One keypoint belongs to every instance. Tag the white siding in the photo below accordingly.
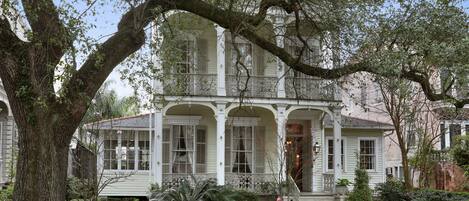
(351, 153)
(138, 184)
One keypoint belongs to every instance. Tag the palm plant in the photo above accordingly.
(205, 190)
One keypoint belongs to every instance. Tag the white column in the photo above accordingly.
(221, 91)
(158, 148)
(221, 118)
(150, 138)
(279, 29)
(119, 151)
(447, 137)
(281, 137)
(337, 145)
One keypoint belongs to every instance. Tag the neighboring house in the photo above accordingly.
(203, 129)
(8, 138)
(443, 122)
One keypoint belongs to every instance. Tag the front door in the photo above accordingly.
(294, 153)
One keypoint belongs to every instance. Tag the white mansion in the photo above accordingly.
(287, 126)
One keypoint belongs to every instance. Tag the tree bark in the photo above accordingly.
(405, 168)
(42, 164)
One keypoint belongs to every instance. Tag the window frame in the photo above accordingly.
(194, 151)
(232, 150)
(375, 154)
(343, 155)
(118, 133)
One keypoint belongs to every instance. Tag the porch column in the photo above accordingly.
(221, 118)
(221, 91)
(281, 137)
(337, 145)
(279, 29)
(158, 148)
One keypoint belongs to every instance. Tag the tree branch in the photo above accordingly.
(47, 28)
(129, 38)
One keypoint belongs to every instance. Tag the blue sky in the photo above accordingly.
(106, 23)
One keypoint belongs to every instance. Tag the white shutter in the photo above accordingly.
(259, 144)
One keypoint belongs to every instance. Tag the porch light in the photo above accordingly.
(316, 148)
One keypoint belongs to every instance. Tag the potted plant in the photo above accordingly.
(341, 186)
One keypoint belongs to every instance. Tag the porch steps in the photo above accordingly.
(307, 196)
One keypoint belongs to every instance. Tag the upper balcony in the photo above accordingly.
(209, 61)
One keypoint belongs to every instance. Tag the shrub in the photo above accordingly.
(361, 190)
(392, 190)
(343, 182)
(434, 195)
(200, 190)
(7, 194)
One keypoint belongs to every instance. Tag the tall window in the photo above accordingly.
(442, 136)
(128, 150)
(454, 132)
(368, 154)
(185, 62)
(411, 135)
(143, 150)
(183, 148)
(110, 150)
(330, 154)
(241, 57)
(242, 149)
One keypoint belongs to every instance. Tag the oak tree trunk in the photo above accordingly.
(42, 163)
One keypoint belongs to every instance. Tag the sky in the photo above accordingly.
(106, 23)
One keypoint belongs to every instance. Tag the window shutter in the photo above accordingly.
(260, 155)
(228, 67)
(202, 58)
(201, 150)
(259, 61)
(228, 149)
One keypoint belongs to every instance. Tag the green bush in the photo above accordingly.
(361, 189)
(392, 190)
(206, 190)
(7, 194)
(434, 195)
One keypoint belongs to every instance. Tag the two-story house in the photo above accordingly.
(217, 122)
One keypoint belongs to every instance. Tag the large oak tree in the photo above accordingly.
(364, 35)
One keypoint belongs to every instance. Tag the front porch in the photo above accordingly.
(244, 147)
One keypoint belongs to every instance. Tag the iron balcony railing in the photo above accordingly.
(252, 86)
(306, 88)
(310, 88)
(190, 84)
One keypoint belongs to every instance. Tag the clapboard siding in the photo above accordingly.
(134, 185)
(8, 145)
(351, 140)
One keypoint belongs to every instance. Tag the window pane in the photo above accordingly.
(128, 150)
(143, 150)
(367, 154)
(110, 150)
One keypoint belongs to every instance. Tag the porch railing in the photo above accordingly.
(255, 86)
(329, 182)
(257, 182)
(174, 180)
(310, 88)
(190, 84)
